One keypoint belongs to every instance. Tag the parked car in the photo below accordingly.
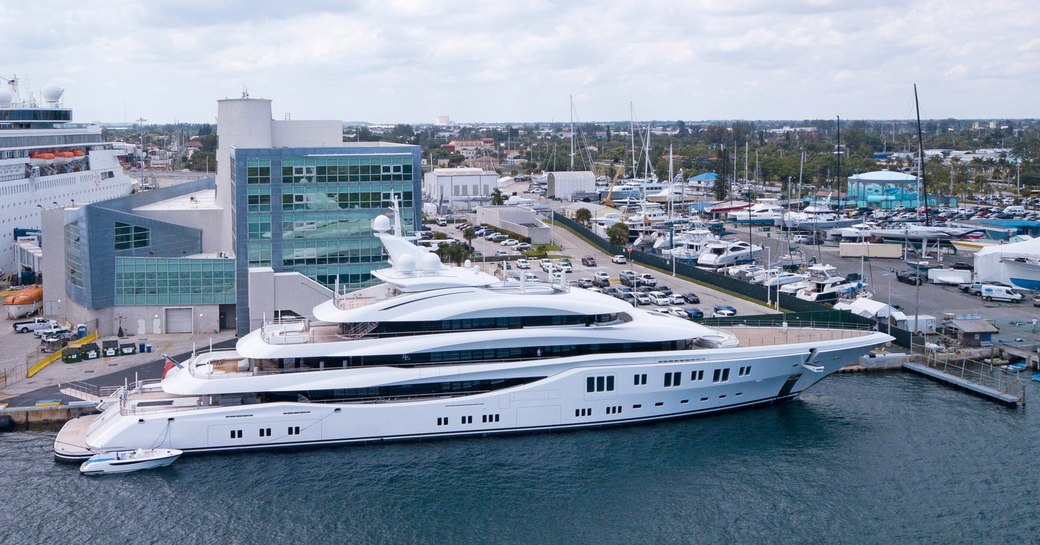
(627, 277)
(642, 298)
(676, 311)
(692, 298)
(619, 259)
(963, 266)
(659, 299)
(723, 311)
(35, 324)
(545, 264)
(601, 279)
(565, 265)
(664, 289)
(584, 282)
(505, 265)
(677, 299)
(611, 291)
(909, 277)
(588, 261)
(522, 264)
(51, 331)
(694, 313)
(509, 242)
(523, 246)
(1036, 300)
(498, 237)
(646, 279)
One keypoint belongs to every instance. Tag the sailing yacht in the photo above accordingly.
(438, 351)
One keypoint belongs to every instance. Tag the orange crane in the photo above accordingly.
(607, 201)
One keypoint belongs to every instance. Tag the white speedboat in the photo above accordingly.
(724, 253)
(826, 285)
(440, 351)
(125, 461)
(763, 212)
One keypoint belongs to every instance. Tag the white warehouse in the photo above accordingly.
(563, 185)
(459, 188)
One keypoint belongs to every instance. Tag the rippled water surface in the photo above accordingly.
(881, 458)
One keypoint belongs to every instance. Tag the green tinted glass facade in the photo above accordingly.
(310, 210)
(174, 281)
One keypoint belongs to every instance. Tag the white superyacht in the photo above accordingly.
(442, 351)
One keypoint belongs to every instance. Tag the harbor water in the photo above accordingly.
(867, 458)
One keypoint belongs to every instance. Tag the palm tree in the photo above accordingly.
(583, 216)
(618, 233)
(496, 197)
(469, 234)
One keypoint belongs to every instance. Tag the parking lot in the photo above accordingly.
(574, 249)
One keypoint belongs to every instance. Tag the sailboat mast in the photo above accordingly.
(920, 161)
(632, 135)
(571, 97)
(841, 203)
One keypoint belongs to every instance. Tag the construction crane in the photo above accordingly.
(608, 201)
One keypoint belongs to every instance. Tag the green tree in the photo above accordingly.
(440, 235)
(721, 188)
(618, 233)
(469, 234)
(454, 253)
(583, 216)
(496, 197)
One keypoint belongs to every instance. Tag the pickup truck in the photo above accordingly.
(34, 325)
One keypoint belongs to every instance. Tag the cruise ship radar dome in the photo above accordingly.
(406, 263)
(431, 263)
(381, 224)
(52, 93)
(6, 97)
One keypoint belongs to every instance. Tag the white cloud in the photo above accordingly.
(408, 61)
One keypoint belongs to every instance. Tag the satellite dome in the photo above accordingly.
(381, 224)
(467, 264)
(6, 96)
(52, 93)
(406, 263)
(431, 263)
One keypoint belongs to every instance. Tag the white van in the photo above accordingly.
(442, 221)
(1017, 209)
(990, 292)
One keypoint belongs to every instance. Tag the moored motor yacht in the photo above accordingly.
(441, 351)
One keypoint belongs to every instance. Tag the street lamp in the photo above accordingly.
(889, 316)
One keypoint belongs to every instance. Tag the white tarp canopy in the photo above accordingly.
(997, 263)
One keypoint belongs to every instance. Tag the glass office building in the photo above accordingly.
(174, 281)
(309, 210)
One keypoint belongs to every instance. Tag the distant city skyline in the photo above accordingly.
(410, 61)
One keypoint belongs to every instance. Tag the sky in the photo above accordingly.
(409, 61)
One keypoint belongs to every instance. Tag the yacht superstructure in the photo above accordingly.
(441, 351)
(46, 161)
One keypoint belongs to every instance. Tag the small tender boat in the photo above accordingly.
(1014, 367)
(125, 461)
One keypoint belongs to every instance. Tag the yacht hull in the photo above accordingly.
(709, 381)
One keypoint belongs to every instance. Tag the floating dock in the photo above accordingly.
(959, 382)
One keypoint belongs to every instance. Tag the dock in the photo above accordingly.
(1006, 392)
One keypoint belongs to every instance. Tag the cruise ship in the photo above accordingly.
(46, 161)
(437, 351)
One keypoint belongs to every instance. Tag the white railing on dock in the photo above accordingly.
(977, 372)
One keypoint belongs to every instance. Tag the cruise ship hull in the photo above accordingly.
(709, 380)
